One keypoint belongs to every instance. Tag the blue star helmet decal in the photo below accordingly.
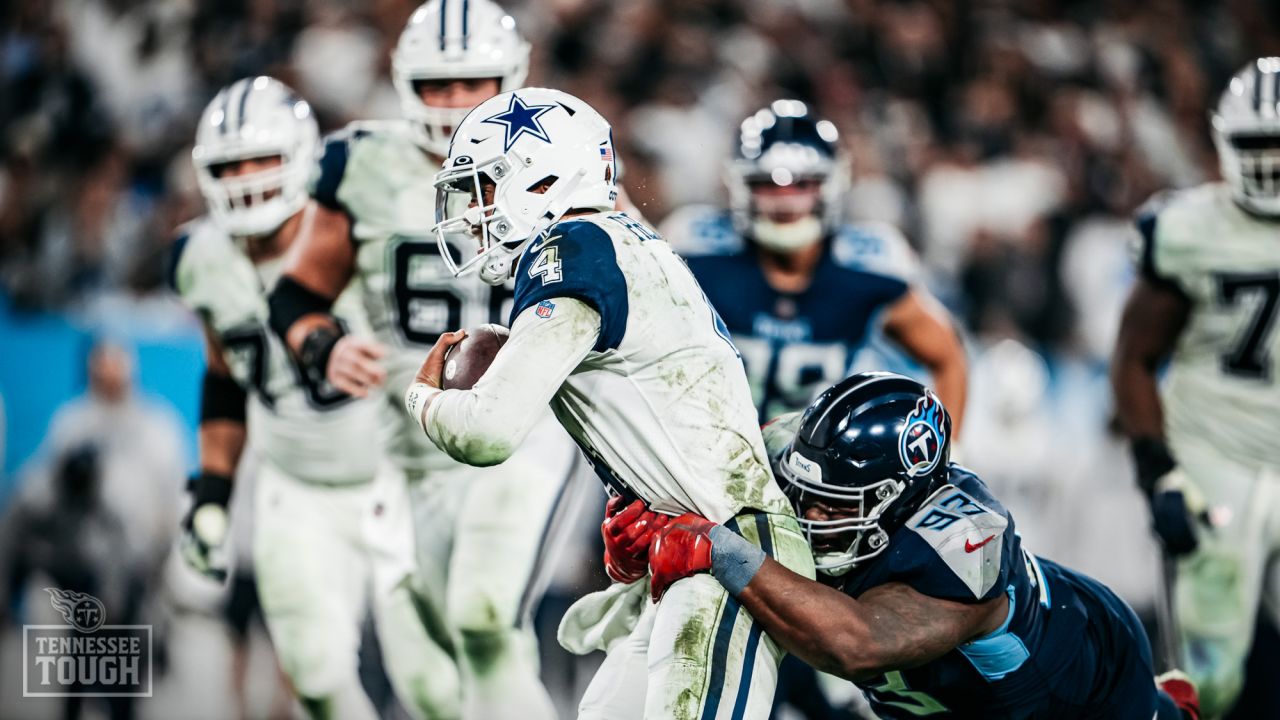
(519, 119)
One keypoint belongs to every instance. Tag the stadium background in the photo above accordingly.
(1009, 140)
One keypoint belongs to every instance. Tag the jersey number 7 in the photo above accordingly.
(1249, 357)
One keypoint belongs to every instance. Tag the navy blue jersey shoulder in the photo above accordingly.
(1067, 647)
(333, 165)
(176, 249)
(736, 287)
(577, 260)
(964, 511)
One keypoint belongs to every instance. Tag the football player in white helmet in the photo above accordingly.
(480, 535)
(609, 326)
(332, 531)
(1205, 444)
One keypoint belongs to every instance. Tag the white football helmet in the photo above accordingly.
(255, 118)
(519, 141)
(1246, 132)
(454, 40)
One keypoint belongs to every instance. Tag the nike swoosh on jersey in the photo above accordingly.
(970, 547)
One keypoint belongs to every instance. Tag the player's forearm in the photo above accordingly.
(950, 375)
(1137, 398)
(223, 412)
(221, 445)
(886, 629)
(486, 424)
(1153, 319)
(925, 329)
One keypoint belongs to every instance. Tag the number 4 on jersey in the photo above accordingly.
(547, 265)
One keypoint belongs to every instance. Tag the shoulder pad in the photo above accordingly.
(332, 165)
(778, 434)
(967, 535)
(578, 260)
(197, 243)
(877, 248)
(1151, 239)
(696, 230)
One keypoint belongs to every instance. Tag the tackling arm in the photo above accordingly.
(891, 627)
(923, 328)
(484, 425)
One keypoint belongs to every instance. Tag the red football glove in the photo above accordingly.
(627, 532)
(683, 548)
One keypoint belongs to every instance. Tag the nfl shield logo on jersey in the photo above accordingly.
(920, 442)
(545, 308)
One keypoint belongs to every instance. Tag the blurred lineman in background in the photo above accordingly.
(479, 532)
(801, 291)
(330, 527)
(1206, 449)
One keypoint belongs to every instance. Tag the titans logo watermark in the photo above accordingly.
(86, 657)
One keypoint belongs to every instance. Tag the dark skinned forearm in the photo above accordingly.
(890, 627)
(1154, 317)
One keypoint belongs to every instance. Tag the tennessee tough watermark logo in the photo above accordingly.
(85, 657)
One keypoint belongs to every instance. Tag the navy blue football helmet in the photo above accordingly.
(785, 146)
(868, 453)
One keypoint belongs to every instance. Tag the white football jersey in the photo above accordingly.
(1222, 392)
(315, 433)
(375, 173)
(660, 404)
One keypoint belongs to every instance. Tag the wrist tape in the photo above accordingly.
(734, 561)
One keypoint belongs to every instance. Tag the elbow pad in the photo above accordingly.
(290, 301)
(222, 398)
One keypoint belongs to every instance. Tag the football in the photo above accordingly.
(467, 361)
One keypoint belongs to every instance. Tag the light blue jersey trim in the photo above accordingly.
(1000, 652)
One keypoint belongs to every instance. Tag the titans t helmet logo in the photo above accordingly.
(920, 442)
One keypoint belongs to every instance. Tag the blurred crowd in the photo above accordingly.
(1009, 139)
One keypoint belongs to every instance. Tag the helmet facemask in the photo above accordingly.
(801, 206)
(252, 204)
(1251, 164)
(470, 210)
(859, 513)
(433, 125)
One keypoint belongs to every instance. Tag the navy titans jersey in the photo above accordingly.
(1069, 648)
(794, 344)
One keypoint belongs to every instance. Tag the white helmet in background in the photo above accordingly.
(521, 141)
(1246, 132)
(454, 40)
(255, 118)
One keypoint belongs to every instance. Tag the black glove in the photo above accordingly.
(204, 529)
(1174, 516)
